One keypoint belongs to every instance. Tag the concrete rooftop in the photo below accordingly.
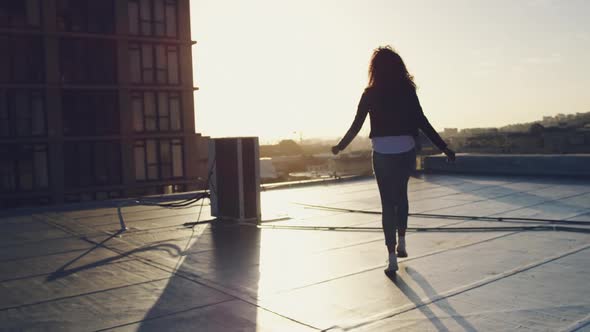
(308, 268)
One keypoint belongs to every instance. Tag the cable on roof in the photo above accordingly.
(452, 216)
(185, 203)
(409, 229)
(430, 229)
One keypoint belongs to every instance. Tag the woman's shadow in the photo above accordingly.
(423, 304)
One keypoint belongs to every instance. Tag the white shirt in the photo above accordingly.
(393, 144)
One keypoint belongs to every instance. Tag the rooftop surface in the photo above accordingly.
(308, 267)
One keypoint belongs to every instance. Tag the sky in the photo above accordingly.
(282, 69)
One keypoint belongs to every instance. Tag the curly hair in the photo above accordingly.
(388, 71)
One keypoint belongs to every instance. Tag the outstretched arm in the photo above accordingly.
(357, 124)
(426, 127)
(429, 131)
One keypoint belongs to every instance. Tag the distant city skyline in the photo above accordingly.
(285, 69)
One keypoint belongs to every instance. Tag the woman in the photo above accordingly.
(396, 115)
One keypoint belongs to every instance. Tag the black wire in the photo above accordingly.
(426, 229)
(185, 203)
(412, 229)
(513, 219)
(460, 217)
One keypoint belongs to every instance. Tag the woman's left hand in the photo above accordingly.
(450, 155)
(335, 149)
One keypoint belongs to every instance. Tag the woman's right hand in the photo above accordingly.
(450, 155)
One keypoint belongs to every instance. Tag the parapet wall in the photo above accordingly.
(549, 165)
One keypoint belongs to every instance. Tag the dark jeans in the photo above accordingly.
(392, 172)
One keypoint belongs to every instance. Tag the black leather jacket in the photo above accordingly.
(391, 114)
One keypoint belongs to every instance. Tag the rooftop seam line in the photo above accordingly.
(80, 294)
(488, 198)
(119, 261)
(208, 284)
(459, 290)
(367, 241)
(166, 315)
(545, 202)
(578, 215)
(578, 325)
(24, 258)
(432, 253)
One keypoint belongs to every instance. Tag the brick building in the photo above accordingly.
(96, 100)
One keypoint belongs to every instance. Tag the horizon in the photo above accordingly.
(496, 64)
(366, 135)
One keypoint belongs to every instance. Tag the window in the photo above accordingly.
(92, 163)
(158, 159)
(88, 61)
(20, 13)
(90, 113)
(91, 196)
(22, 59)
(154, 63)
(22, 113)
(145, 190)
(23, 167)
(93, 16)
(156, 111)
(153, 18)
(33, 200)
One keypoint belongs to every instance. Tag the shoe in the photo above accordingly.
(391, 264)
(401, 248)
(402, 253)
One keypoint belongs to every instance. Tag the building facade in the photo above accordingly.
(96, 101)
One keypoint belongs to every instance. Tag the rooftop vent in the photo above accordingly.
(235, 179)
